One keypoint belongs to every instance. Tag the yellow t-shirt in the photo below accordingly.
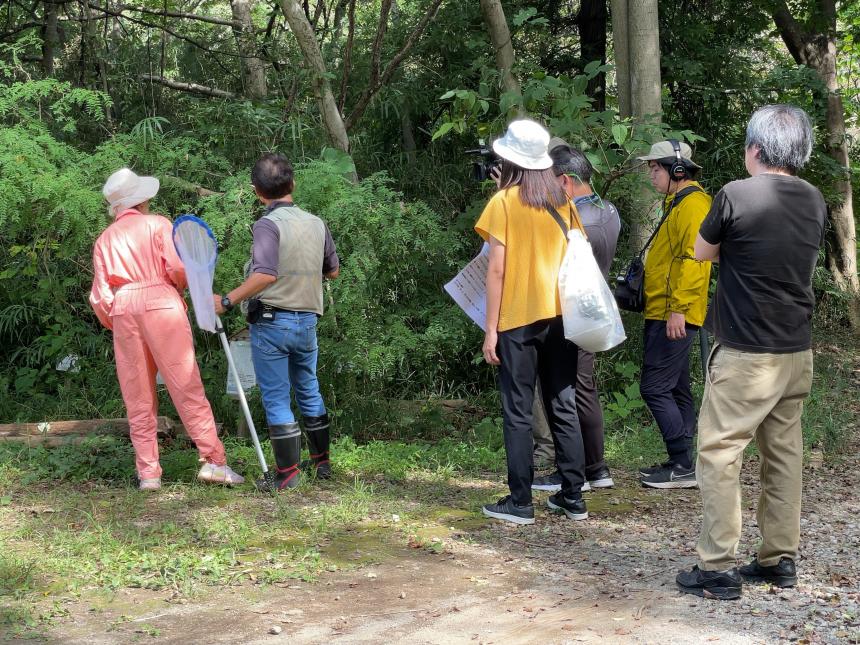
(534, 249)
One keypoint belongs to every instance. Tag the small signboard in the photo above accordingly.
(241, 350)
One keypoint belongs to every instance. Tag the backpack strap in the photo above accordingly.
(678, 197)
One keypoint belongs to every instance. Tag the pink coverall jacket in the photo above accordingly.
(136, 288)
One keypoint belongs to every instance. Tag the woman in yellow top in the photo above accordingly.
(524, 330)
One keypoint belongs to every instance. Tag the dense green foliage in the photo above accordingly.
(390, 332)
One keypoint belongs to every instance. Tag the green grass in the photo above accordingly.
(73, 524)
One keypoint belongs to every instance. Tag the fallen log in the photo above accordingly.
(52, 433)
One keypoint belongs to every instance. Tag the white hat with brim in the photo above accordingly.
(125, 189)
(663, 151)
(525, 145)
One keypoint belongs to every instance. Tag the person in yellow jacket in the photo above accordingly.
(676, 300)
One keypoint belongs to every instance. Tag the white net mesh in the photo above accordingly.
(198, 249)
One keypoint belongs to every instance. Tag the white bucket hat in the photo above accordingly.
(125, 189)
(525, 145)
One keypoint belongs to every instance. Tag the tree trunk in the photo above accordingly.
(500, 36)
(842, 256)
(620, 43)
(644, 47)
(253, 68)
(591, 21)
(815, 47)
(50, 39)
(636, 37)
(304, 33)
(408, 136)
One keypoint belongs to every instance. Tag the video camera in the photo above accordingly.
(483, 166)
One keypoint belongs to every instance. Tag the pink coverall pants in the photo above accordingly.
(136, 276)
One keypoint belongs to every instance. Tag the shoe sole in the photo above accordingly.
(508, 518)
(712, 593)
(570, 514)
(602, 483)
(676, 484)
(555, 488)
(222, 482)
(783, 582)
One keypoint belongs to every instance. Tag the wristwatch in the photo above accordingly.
(226, 303)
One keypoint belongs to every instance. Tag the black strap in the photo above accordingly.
(564, 227)
(676, 199)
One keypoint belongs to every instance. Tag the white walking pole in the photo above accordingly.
(242, 400)
(197, 247)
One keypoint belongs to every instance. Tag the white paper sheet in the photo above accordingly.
(469, 288)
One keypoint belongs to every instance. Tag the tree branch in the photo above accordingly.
(193, 88)
(791, 32)
(347, 57)
(118, 14)
(181, 14)
(376, 54)
(393, 64)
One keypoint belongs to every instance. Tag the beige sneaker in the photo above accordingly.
(150, 484)
(219, 475)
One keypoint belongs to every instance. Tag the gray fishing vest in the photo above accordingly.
(300, 261)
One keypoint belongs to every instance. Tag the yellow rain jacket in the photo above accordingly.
(675, 282)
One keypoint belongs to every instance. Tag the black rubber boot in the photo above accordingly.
(287, 446)
(318, 440)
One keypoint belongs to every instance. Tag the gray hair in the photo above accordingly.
(571, 162)
(783, 135)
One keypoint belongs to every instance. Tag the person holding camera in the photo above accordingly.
(676, 300)
(765, 231)
(525, 224)
(602, 225)
(292, 252)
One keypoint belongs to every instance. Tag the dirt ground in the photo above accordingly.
(607, 580)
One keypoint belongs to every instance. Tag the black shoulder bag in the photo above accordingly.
(630, 287)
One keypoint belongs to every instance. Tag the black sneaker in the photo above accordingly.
(505, 509)
(601, 479)
(573, 508)
(673, 477)
(650, 470)
(718, 585)
(783, 574)
(552, 483)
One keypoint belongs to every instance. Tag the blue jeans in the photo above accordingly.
(284, 352)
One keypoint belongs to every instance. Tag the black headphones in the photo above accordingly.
(678, 170)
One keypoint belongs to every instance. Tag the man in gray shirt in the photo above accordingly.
(602, 225)
(292, 252)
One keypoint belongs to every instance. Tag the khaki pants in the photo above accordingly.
(751, 395)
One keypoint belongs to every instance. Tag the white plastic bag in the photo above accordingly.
(589, 311)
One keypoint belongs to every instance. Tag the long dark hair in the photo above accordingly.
(538, 188)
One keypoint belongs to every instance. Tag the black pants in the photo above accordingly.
(665, 386)
(590, 416)
(539, 350)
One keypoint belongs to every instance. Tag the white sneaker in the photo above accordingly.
(219, 475)
(149, 484)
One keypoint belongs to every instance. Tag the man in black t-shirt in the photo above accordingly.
(765, 231)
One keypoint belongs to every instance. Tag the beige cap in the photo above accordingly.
(663, 151)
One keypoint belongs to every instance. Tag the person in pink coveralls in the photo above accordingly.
(137, 281)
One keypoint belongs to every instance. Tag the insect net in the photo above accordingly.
(198, 249)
